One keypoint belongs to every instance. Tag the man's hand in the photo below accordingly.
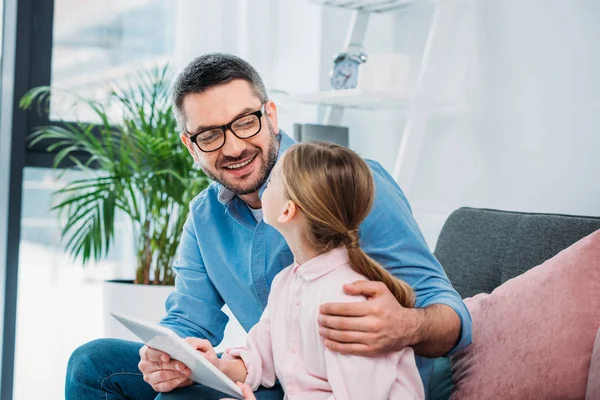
(378, 326)
(162, 373)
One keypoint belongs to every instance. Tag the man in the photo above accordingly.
(228, 255)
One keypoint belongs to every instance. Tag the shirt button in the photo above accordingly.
(293, 349)
(292, 391)
(298, 303)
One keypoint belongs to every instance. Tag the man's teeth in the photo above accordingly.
(240, 165)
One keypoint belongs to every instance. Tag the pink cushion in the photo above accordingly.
(533, 336)
(593, 385)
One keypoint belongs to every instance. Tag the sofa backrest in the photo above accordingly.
(481, 249)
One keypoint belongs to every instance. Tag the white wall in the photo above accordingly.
(528, 137)
(280, 39)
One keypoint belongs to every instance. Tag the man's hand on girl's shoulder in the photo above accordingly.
(372, 328)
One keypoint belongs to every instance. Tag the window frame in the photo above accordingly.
(27, 41)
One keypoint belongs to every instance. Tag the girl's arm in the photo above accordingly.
(234, 369)
(257, 356)
(254, 363)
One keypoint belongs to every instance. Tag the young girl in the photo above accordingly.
(317, 196)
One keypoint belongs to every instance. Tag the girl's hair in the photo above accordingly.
(334, 189)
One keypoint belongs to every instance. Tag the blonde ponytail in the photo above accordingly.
(366, 266)
(334, 189)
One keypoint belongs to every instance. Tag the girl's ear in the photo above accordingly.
(288, 213)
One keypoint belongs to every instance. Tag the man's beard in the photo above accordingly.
(265, 169)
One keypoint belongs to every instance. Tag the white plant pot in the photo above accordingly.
(147, 302)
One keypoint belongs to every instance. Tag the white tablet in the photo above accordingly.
(163, 339)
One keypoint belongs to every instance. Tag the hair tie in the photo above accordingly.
(352, 240)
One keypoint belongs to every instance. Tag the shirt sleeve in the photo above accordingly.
(257, 355)
(194, 307)
(392, 237)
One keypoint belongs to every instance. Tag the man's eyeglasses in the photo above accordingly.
(243, 127)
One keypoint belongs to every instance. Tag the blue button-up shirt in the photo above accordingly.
(226, 256)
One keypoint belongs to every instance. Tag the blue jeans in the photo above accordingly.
(107, 369)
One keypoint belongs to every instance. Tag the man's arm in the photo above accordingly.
(194, 307)
(439, 331)
(439, 324)
(381, 325)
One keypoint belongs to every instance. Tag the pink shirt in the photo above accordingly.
(285, 344)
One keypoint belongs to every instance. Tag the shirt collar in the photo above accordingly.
(285, 142)
(322, 264)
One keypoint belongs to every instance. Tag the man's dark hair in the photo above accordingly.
(210, 70)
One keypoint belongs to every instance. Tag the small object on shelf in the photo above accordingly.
(328, 133)
(344, 74)
(420, 103)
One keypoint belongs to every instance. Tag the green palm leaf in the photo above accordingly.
(144, 173)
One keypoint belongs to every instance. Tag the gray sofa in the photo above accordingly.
(480, 249)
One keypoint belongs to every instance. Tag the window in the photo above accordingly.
(98, 43)
(59, 302)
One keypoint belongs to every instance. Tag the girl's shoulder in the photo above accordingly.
(281, 279)
(330, 287)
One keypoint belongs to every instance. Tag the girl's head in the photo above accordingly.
(328, 190)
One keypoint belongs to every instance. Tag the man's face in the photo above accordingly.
(241, 165)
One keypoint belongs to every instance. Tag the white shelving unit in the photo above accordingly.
(366, 100)
(353, 98)
(366, 5)
(421, 104)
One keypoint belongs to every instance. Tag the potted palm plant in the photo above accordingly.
(134, 166)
